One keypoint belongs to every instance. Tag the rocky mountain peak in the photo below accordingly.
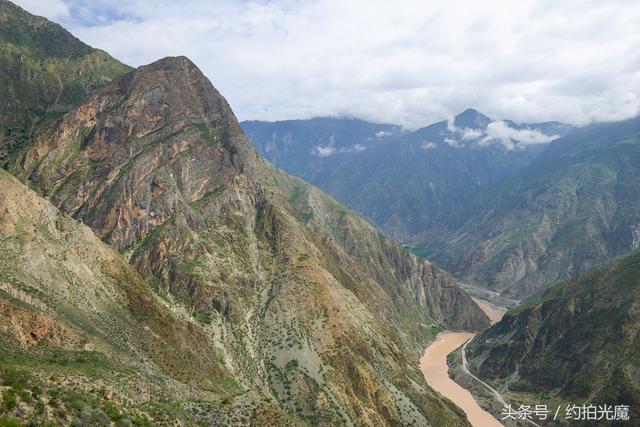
(174, 89)
(472, 119)
(152, 142)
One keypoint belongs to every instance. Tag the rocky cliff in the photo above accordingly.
(308, 303)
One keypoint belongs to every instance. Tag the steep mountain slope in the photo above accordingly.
(312, 148)
(575, 207)
(577, 343)
(419, 188)
(44, 71)
(312, 305)
(83, 338)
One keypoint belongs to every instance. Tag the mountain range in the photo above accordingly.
(411, 184)
(576, 206)
(309, 149)
(551, 218)
(159, 270)
(506, 206)
(159, 265)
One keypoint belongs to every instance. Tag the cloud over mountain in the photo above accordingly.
(408, 63)
(500, 131)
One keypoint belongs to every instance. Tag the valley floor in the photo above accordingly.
(435, 369)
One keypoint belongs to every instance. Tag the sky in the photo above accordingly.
(406, 62)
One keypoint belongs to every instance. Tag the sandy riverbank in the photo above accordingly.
(494, 313)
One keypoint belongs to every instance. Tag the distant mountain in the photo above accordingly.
(44, 72)
(576, 343)
(312, 148)
(304, 312)
(419, 187)
(576, 206)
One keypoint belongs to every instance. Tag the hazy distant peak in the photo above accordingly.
(472, 119)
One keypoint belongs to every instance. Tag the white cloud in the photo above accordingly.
(382, 134)
(409, 62)
(51, 9)
(503, 133)
(324, 151)
(469, 134)
(451, 142)
(451, 127)
(330, 150)
(429, 146)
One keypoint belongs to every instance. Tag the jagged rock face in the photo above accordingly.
(577, 342)
(309, 303)
(44, 72)
(138, 150)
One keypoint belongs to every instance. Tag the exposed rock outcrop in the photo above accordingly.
(310, 303)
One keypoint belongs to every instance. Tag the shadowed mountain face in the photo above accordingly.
(44, 71)
(575, 207)
(311, 149)
(578, 342)
(306, 303)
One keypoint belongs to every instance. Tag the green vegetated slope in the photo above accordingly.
(312, 311)
(44, 71)
(575, 207)
(578, 342)
(83, 339)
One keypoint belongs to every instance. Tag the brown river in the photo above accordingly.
(435, 370)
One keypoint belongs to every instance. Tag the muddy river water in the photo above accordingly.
(434, 367)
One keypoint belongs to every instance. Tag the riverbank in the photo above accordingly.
(492, 311)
